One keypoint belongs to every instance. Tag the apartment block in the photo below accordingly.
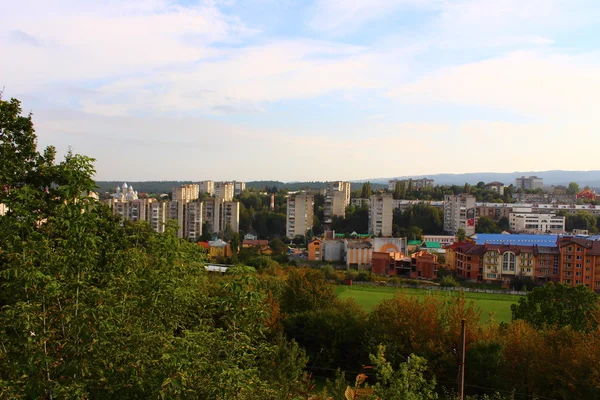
(207, 187)
(131, 210)
(580, 262)
(529, 182)
(224, 190)
(337, 198)
(417, 184)
(238, 187)
(178, 207)
(219, 213)
(380, 215)
(460, 212)
(158, 214)
(186, 193)
(496, 186)
(192, 221)
(536, 223)
(300, 212)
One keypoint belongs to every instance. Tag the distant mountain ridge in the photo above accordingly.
(555, 177)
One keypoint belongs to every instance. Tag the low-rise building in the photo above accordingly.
(358, 253)
(526, 222)
(424, 265)
(219, 249)
(315, 250)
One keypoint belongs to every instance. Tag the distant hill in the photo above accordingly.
(557, 177)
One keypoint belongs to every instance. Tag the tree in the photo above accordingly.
(487, 225)
(573, 188)
(366, 190)
(408, 382)
(235, 243)
(504, 224)
(559, 305)
(461, 234)
(278, 246)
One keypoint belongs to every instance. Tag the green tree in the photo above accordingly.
(487, 225)
(559, 305)
(461, 234)
(366, 190)
(573, 188)
(278, 246)
(408, 382)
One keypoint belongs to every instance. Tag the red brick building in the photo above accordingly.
(423, 265)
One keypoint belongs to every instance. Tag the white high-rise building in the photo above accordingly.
(177, 209)
(337, 198)
(529, 182)
(219, 213)
(224, 190)
(207, 187)
(381, 213)
(158, 213)
(300, 213)
(238, 187)
(460, 212)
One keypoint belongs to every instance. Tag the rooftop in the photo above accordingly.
(520, 239)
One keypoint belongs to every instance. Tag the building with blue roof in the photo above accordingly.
(515, 239)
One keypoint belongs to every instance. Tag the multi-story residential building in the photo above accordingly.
(417, 184)
(536, 223)
(359, 202)
(529, 182)
(502, 263)
(131, 210)
(238, 187)
(158, 214)
(300, 213)
(224, 190)
(207, 187)
(315, 250)
(181, 196)
(337, 198)
(580, 262)
(219, 213)
(467, 260)
(547, 264)
(192, 221)
(496, 186)
(460, 212)
(380, 215)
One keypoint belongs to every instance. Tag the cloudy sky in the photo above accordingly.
(308, 90)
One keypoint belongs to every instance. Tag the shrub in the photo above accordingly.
(448, 281)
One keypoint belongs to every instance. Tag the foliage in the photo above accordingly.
(448, 281)
(356, 220)
(487, 225)
(522, 283)
(425, 217)
(573, 188)
(278, 246)
(461, 235)
(559, 305)
(408, 382)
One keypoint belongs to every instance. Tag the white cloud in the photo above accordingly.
(532, 84)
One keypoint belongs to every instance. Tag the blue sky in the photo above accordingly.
(308, 90)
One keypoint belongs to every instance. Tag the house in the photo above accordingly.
(588, 194)
(261, 245)
(467, 260)
(315, 250)
(218, 248)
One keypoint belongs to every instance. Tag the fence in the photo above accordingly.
(438, 288)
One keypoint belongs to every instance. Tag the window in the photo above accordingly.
(569, 249)
(588, 261)
(579, 265)
(508, 261)
(578, 273)
(578, 249)
(568, 281)
(578, 257)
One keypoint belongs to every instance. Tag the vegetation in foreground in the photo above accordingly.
(94, 308)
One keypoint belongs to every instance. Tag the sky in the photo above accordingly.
(298, 90)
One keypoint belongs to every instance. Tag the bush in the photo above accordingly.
(363, 276)
(448, 281)
(330, 272)
(351, 275)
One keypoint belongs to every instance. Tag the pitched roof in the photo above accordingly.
(433, 245)
(249, 242)
(415, 242)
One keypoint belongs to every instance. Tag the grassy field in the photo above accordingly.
(496, 305)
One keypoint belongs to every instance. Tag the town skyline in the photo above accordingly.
(303, 89)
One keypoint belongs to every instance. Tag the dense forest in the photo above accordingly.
(91, 307)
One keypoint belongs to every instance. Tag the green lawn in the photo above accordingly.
(368, 297)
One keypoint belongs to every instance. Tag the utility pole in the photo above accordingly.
(463, 340)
